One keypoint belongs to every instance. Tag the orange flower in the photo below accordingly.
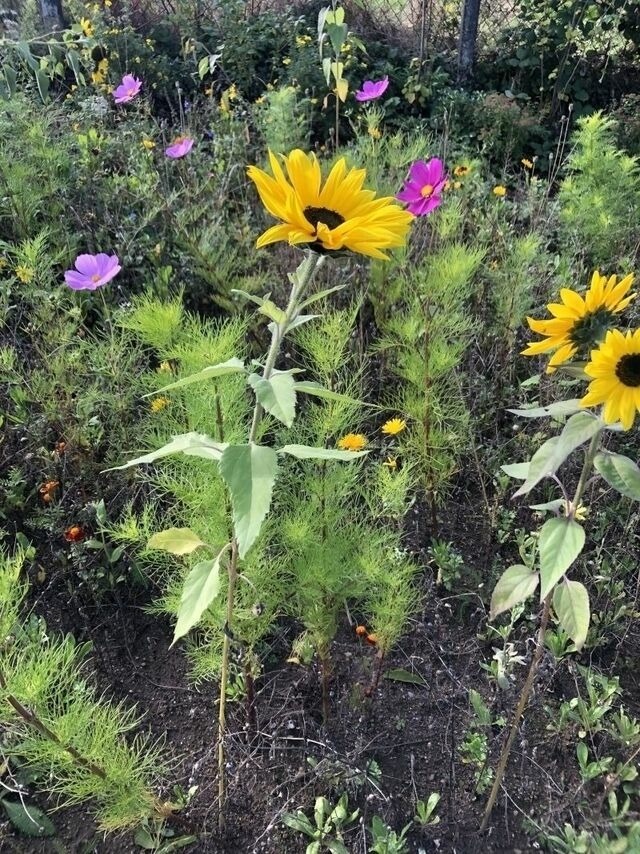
(47, 489)
(361, 631)
(60, 447)
(74, 534)
(372, 639)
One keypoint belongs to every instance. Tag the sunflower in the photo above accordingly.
(338, 215)
(352, 442)
(615, 377)
(579, 322)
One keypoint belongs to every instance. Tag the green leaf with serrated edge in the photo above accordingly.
(201, 587)
(271, 310)
(555, 505)
(231, 366)
(571, 604)
(27, 819)
(191, 444)
(514, 586)
(519, 471)
(176, 541)
(326, 394)
(306, 452)
(398, 674)
(320, 295)
(558, 409)
(620, 472)
(579, 429)
(560, 542)
(249, 472)
(277, 395)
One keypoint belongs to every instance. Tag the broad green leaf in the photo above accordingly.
(514, 586)
(579, 428)
(11, 77)
(308, 387)
(558, 409)
(342, 89)
(560, 542)
(28, 819)
(555, 505)
(74, 63)
(337, 34)
(619, 472)
(336, 16)
(400, 675)
(25, 52)
(191, 444)
(249, 472)
(571, 604)
(201, 587)
(271, 310)
(177, 541)
(231, 366)
(277, 395)
(519, 471)
(305, 452)
(43, 83)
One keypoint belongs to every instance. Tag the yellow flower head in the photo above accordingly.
(526, 163)
(87, 27)
(352, 442)
(338, 215)
(580, 322)
(500, 191)
(24, 274)
(374, 132)
(164, 368)
(394, 426)
(391, 463)
(159, 403)
(461, 171)
(457, 185)
(148, 144)
(615, 377)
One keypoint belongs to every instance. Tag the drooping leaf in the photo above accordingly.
(558, 409)
(11, 77)
(308, 387)
(271, 310)
(515, 585)
(619, 472)
(249, 472)
(560, 542)
(201, 586)
(554, 506)
(579, 428)
(231, 366)
(191, 444)
(176, 541)
(571, 604)
(342, 88)
(306, 452)
(277, 395)
(398, 674)
(73, 61)
(519, 471)
(28, 819)
(43, 83)
(320, 295)
(300, 320)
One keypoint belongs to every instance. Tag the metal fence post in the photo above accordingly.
(468, 36)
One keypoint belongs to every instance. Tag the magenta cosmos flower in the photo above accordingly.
(127, 90)
(371, 90)
(179, 147)
(423, 188)
(92, 271)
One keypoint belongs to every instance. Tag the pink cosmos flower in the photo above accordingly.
(179, 147)
(423, 188)
(127, 90)
(92, 271)
(371, 90)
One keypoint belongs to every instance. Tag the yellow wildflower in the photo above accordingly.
(148, 143)
(87, 27)
(374, 133)
(526, 163)
(158, 404)
(352, 442)
(286, 60)
(461, 171)
(24, 274)
(394, 426)
(164, 368)
(500, 191)
(391, 463)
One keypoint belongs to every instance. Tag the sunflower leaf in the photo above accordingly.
(309, 387)
(190, 444)
(231, 366)
(305, 452)
(277, 395)
(519, 471)
(176, 541)
(619, 472)
(201, 586)
(571, 604)
(560, 542)
(555, 410)
(514, 586)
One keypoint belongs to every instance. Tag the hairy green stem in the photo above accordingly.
(300, 282)
(537, 655)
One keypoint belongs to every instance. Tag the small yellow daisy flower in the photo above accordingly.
(24, 274)
(164, 368)
(457, 185)
(87, 27)
(391, 463)
(461, 171)
(158, 404)
(352, 442)
(526, 163)
(394, 426)
(500, 191)
(148, 144)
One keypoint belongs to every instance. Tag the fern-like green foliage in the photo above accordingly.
(47, 676)
(283, 119)
(600, 197)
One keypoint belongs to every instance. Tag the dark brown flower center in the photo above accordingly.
(628, 370)
(330, 218)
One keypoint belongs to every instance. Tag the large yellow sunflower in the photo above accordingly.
(615, 372)
(336, 215)
(580, 322)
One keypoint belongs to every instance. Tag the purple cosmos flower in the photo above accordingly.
(92, 271)
(371, 90)
(179, 147)
(423, 188)
(127, 90)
